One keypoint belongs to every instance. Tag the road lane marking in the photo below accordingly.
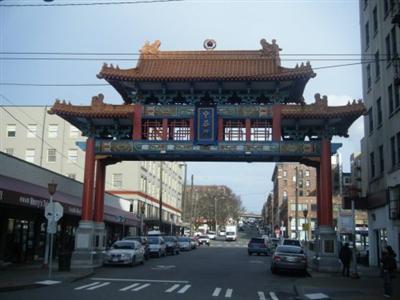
(184, 289)
(138, 280)
(273, 296)
(172, 288)
(228, 293)
(216, 292)
(98, 286)
(261, 295)
(141, 287)
(87, 285)
(129, 287)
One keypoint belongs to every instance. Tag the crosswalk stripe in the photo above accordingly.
(228, 293)
(98, 286)
(273, 296)
(141, 287)
(172, 288)
(216, 292)
(87, 285)
(129, 287)
(184, 289)
(261, 295)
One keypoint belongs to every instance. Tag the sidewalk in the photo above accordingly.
(24, 276)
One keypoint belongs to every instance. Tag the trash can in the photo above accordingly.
(64, 261)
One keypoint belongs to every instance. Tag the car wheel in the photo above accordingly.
(173, 252)
(165, 253)
(249, 253)
(258, 254)
(159, 254)
(133, 261)
(142, 261)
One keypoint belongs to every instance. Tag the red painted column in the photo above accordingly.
(137, 122)
(248, 130)
(191, 125)
(220, 129)
(88, 181)
(326, 183)
(165, 129)
(318, 184)
(99, 193)
(276, 123)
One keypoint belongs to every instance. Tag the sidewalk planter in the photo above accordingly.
(64, 261)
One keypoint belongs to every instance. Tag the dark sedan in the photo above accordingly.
(257, 245)
(291, 258)
(172, 244)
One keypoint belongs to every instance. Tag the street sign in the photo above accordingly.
(306, 226)
(51, 226)
(53, 211)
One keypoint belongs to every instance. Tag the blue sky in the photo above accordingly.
(300, 27)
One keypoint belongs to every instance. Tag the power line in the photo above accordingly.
(90, 3)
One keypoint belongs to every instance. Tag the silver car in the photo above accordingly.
(291, 258)
(157, 246)
(184, 243)
(124, 253)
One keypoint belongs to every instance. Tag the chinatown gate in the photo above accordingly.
(237, 106)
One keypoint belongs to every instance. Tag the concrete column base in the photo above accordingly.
(326, 258)
(89, 245)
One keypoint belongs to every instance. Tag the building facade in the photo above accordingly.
(380, 38)
(31, 134)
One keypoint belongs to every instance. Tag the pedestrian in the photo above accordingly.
(345, 258)
(389, 266)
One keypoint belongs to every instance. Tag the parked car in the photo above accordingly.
(204, 240)
(290, 258)
(157, 246)
(143, 241)
(257, 245)
(193, 243)
(222, 233)
(290, 242)
(184, 243)
(125, 252)
(211, 235)
(171, 243)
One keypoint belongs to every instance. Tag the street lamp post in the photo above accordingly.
(52, 187)
(305, 214)
(290, 227)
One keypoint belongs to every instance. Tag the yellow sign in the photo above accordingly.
(306, 226)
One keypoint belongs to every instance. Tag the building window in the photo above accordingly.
(152, 130)
(10, 151)
(385, 8)
(377, 67)
(117, 180)
(74, 132)
(72, 155)
(398, 146)
(30, 155)
(234, 130)
(53, 131)
(372, 164)
(301, 194)
(368, 77)
(371, 120)
(307, 183)
(375, 19)
(284, 173)
(313, 207)
(381, 159)
(307, 173)
(261, 130)
(51, 155)
(301, 173)
(394, 42)
(32, 130)
(393, 150)
(396, 96)
(179, 130)
(390, 97)
(300, 184)
(388, 49)
(285, 195)
(72, 176)
(379, 108)
(366, 35)
(11, 130)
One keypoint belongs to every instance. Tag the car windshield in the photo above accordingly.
(230, 233)
(169, 238)
(153, 240)
(291, 242)
(184, 239)
(203, 237)
(257, 241)
(123, 245)
(289, 249)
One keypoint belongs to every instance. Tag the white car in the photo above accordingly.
(204, 239)
(126, 252)
(211, 235)
(157, 246)
(222, 233)
(184, 243)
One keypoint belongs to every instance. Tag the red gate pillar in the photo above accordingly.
(326, 184)
(276, 123)
(248, 130)
(99, 193)
(318, 171)
(88, 181)
(137, 123)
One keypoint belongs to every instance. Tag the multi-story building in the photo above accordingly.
(380, 147)
(30, 133)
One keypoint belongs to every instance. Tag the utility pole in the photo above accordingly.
(160, 196)
(184, 191)
(215, 215)
(297, 202)
(191, 205)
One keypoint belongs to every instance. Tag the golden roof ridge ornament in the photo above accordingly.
(151, 48)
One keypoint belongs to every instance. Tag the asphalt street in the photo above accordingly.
(221, 271)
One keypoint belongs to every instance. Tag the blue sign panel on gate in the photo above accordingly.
(206, 125)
